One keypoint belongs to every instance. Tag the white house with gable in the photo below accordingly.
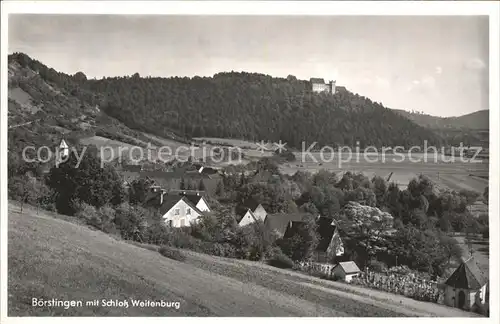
(251, 215)
(178, 211)
(197, 199)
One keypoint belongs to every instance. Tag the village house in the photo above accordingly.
(319, 85)
(174, 179)
(251, 212)
(196, 198)
(177, 209)
(346, 271)
(247, 218)
(278, 224)
(287, 225)
(330, 244)
(466, 287)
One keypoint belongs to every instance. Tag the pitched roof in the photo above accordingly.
(467, 276)
(63, 144)
(251, 214)
(193, 198)
(168, 202)
(251, 203)
(349, 267)
(317, 80)
(280, 222)
(326, 229)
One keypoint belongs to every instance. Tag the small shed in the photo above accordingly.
(346, 270)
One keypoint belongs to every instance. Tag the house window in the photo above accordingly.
(177, 212)
(188, 211)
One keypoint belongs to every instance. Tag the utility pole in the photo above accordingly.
(37, 200)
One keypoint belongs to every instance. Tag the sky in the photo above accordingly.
(432, 64)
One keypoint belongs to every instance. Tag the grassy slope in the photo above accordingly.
(53, 258)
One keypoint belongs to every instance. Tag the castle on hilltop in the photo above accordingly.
(319, 85)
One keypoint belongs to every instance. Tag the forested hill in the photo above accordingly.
(257, 107)
(244, 105)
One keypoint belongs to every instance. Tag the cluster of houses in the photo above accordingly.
(465, 288)
(182, 208)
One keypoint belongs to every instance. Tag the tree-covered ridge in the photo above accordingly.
(241, 105)
(45, 105)
(256, 107)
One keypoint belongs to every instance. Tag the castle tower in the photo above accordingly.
(332, 86)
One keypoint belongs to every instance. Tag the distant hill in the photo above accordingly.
(255, 107)
(243, 105)
(476, 120)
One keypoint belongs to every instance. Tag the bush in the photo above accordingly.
(88, 214)
(280, 260)
(106, 218)
(221, 249)
(158, 234)
(131, 222)
(172, 253)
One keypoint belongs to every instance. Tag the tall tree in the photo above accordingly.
(84, 181)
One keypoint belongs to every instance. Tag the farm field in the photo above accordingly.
(443, 170)
(250, 149)
(446, 175)
(116, 149)
(52, 258)
(228, 141)
(128, 153)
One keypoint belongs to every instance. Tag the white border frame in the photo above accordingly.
(414, 8)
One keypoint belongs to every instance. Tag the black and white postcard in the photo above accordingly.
(249, 159)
